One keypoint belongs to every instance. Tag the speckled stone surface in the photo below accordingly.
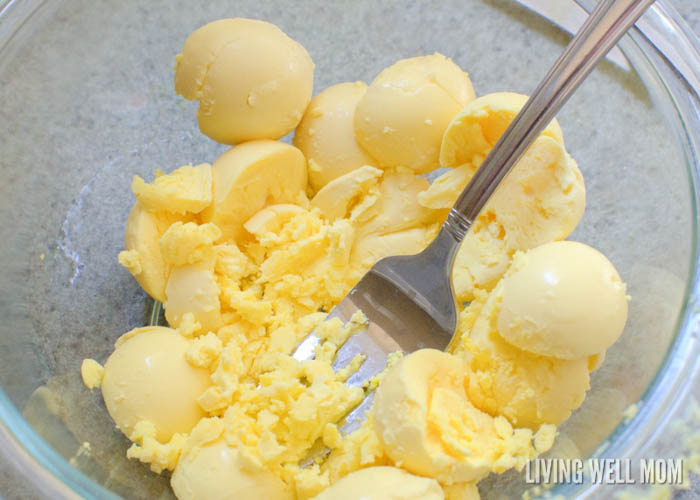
(87, 102)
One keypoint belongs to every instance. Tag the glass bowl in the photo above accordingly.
(88, 102)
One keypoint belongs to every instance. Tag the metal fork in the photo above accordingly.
(409, 300)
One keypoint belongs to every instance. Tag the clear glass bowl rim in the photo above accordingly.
(54, 477)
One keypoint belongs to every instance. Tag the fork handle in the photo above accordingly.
(601, 31)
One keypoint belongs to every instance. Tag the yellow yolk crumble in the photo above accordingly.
(250, 253)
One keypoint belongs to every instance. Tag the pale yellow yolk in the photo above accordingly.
(188, 243)
(563, 299)
(461, 491)
(92, 373)
(337, 198)
(142, 256)
(402, 117)
(250, 176)
(476, 129)
(529, 390)
(326, 134)
(279, 420)
(428, 426)
(392, 223)
(148, 379)
(192, 289)
(383, 483)
(470, 137)
(372, 247)
(187, 189)
(252, 81)
(541, 200)
(218, 471)
(361, 448)
(308, 260)
(396, 207)
(170, 198)
(272, 219)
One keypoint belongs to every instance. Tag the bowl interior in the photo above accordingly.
(88, 102)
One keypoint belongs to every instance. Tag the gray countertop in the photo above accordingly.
(13, 485)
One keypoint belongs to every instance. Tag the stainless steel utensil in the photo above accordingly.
(408, 300)
(569, 16)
